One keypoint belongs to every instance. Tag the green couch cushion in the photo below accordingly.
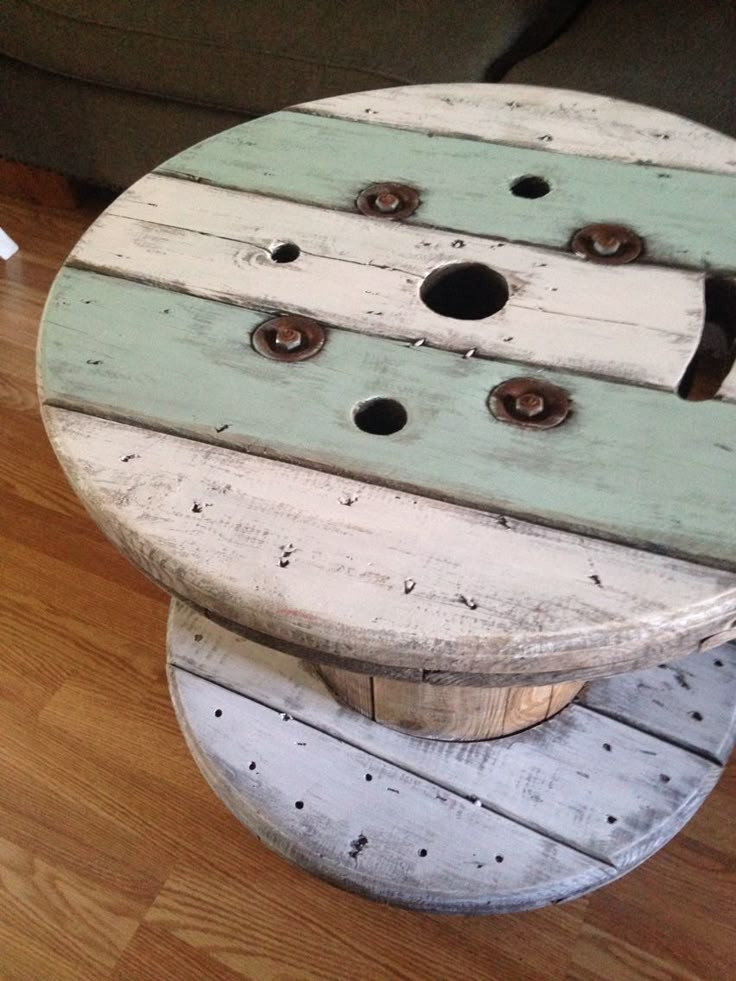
(93, 133)
(254, 56)
(678, 55)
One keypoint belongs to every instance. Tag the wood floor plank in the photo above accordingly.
(601, 956)
(154, 948)
(79, 928)
(274, 918)
(679, 905)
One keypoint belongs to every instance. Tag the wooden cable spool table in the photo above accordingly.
(422, 399)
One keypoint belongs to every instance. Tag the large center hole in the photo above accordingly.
(465, 291)
(380, 416)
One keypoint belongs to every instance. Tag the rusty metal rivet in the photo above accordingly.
(530, 403)
(288, 338)
(388, 200)
(608, 244)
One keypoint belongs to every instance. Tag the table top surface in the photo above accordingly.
(389, 496)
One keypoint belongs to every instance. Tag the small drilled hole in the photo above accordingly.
(530, 187)
(251, 766)
(299, 804)
(285, 252)
(607, 747)
(664, 778)
(718, 662)
(465, 291)
(381, 417)
(218, 713)
(422, 852)
(611, 819)
(499, 858)
(369, 777)
(697, 716)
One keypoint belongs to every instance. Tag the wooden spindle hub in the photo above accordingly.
(460, 713)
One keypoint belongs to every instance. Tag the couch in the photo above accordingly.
(103, 90)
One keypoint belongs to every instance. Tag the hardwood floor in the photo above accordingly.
(117, 861)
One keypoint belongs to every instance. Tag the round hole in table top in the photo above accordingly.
(380, 416)
(465, 291)
(285, 252)
(530, 187)
(249, 489)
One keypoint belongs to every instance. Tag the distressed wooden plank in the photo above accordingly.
(555, 120)
(640, 324)
(393, 837)
(566, 778)
(627, 466)
(686, 217)
(212, 525)
(689, 702)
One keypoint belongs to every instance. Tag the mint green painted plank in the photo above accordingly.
(687, 218)
(632, 464)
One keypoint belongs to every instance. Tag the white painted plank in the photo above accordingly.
(594, 783)
(636, 323)
(540, 616)
(394, 838)
(556, 120)
(690, 702)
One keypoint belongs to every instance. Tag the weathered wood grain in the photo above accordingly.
(640, 324)
(415, 846)
(627, 466)
(555, 120)
(456, 712)
(561, 695)
(600, 786)
(213, 526)
(351, 688)
(687, 218)
(688, 702)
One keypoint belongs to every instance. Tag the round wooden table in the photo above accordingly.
(431, 388)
